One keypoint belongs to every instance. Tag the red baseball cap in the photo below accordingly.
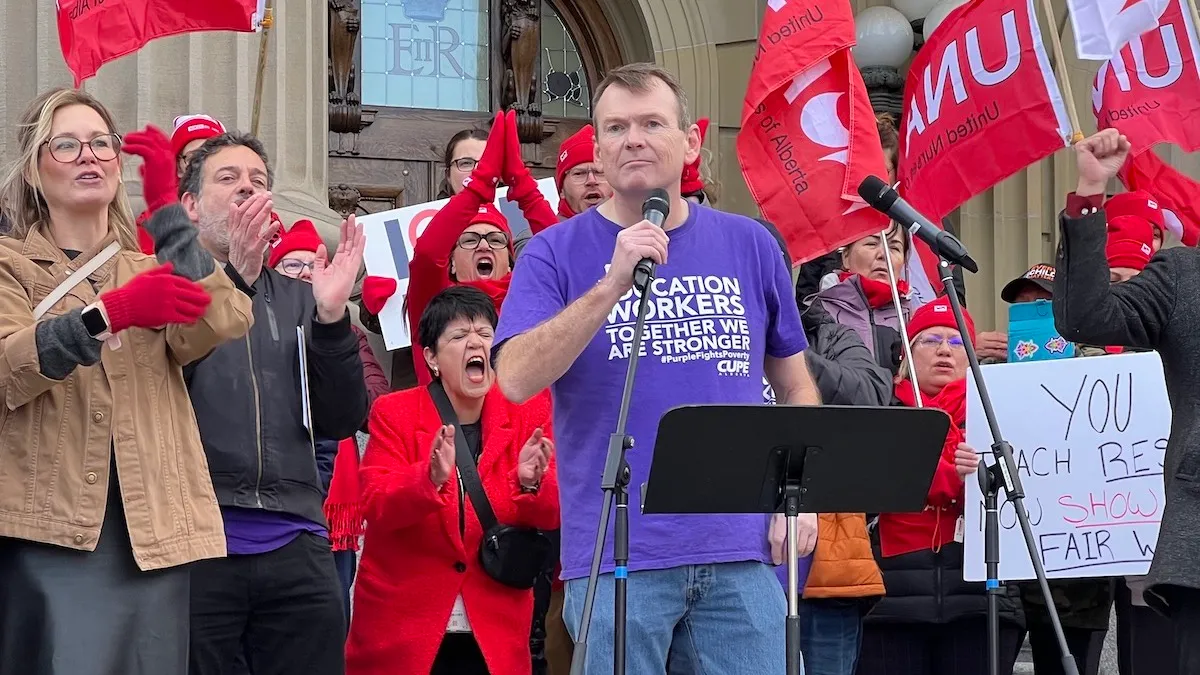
(190, 128)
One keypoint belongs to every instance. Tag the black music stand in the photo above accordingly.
(792, 460)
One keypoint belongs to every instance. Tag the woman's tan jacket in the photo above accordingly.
(57, 437)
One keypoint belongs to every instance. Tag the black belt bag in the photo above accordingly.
(513, 556)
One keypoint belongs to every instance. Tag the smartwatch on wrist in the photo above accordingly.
(95, 322)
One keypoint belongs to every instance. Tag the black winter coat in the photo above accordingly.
(1155, 310)
(844, 369)
(248, 404)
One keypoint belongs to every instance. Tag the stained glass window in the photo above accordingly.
(434, 54)
(425, 54)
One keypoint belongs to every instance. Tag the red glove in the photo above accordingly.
(487, 172)
(514, 167)
(160, 186)
(376, 291)
(154, 299)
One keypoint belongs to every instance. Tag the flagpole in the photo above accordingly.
(1063, 76)
(908, 357)
(1195, 15)
(262, 68)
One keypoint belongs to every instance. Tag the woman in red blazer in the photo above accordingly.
(422, 602)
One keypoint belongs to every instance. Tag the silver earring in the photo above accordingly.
(435, 372)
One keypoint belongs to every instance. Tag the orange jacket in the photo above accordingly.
(843, 565)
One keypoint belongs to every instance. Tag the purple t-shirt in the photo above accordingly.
(721, 305)
(254, 531)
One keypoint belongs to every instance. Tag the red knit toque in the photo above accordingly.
(935, 314)
(302, 237)
(1138, 203)
(578, 149)
(1129, 242)
(190, 128)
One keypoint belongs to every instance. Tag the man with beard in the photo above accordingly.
(276, 600)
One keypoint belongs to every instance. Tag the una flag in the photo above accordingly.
(980, 104)
(1103, 27)
(809, 135)
(1150, 90)
(93, 33)
(1177, 195)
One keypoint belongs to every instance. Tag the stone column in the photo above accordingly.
(211, 73)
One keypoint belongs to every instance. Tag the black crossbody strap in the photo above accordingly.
(467, 471)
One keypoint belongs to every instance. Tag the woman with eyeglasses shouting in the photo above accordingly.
(931, 622)
(469, 241)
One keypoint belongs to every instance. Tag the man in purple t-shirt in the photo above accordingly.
(700, 587)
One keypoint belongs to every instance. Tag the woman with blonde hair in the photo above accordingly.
(105, 494)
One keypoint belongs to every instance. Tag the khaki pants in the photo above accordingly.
(559, 646)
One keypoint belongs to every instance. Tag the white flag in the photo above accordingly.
(259, 13)
(1103, 27)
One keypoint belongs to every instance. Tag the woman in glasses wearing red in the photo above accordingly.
(469, 240)
(931, 622)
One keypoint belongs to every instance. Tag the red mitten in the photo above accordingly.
(160, 187)
(154, 299)
(486, 175)
(376, 291)
(514, 167)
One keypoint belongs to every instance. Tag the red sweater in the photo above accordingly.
(410, 573)
(901, 533)
(429, 269)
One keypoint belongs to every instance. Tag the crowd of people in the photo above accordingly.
(203, 467)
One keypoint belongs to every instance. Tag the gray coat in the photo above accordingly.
(842, 367)
(1155, 310)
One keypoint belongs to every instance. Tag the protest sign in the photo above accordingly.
(390, 239)
(1088, 436)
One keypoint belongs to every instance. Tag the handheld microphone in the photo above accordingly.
(882, 198)
(655, 209)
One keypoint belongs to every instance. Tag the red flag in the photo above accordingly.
(1151, 89)
(808, 133)
(1177, 195)
(980, 104)
(93, 32)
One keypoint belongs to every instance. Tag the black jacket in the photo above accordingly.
(844, 369)
(1154, 310)
(249, 408)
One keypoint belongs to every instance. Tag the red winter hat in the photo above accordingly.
(302, 237)
(692, 183)
(1138, 203)
(935, 314)
(189, 128)
(1129, 242)
(578, 149)
(490, 215)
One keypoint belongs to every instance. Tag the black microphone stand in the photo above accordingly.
(1003, 473)
(615, 484)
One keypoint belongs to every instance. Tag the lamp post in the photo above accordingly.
(886, 39)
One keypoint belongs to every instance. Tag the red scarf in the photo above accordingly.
(343, 509)
(952, 399)
(564, 209)
(901, 533)
(879, 293)
(496, 289)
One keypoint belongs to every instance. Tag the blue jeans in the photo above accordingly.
(830, 636)
(710, 619)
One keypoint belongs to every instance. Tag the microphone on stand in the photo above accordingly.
(655, 209)
(883, 198)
